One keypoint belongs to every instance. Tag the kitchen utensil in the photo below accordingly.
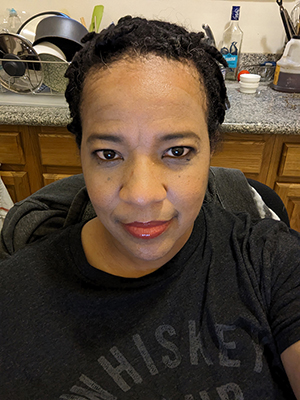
(96, 18)
(82, 20)
(209, 37)
(21, 70)
(54, 66)
(287, 22)
(65, 33)
(290, 24)
(28, 28)
(295, 17)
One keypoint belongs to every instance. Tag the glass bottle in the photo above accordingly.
(232, 43)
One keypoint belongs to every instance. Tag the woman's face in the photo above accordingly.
(145, 155)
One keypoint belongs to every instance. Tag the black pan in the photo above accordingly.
(28, 28)
(65, 33)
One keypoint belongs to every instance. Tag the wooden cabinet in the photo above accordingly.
(249, 153)
(32, 157)
(59, 154)
(284, 174)
(12, 158)
(290, 195)
(17, 184)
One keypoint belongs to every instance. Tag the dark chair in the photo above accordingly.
(272, 200)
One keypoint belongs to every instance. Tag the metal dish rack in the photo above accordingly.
(35, 77)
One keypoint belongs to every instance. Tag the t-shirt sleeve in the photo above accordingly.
(280, 283)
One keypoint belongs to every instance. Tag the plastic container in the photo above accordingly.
(14, 21)
(249, 83)
(287, 73)
(250, 78)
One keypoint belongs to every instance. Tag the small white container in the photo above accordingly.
(250, 78)
(249, 83)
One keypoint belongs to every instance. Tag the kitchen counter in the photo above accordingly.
(267, 111)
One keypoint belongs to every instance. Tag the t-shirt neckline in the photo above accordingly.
(97, 277)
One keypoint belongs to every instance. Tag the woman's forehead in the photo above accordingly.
(144, 100)
(143, 79)
(150, 65)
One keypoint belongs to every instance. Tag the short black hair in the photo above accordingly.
(137, 37)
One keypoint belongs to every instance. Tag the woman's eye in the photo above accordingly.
(108, 155)
(177, 152)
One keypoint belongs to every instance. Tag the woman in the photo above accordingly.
(162, 295)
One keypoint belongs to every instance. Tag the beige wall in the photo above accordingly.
(260, 19)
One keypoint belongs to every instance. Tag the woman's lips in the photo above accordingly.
(147, 230)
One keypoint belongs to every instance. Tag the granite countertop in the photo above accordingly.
(267, 111)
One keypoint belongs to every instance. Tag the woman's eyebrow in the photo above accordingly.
(104, 137)
(108, 137)
(180, 135)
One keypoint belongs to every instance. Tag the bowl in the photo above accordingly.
(65, 33)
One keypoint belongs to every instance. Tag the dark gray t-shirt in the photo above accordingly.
(210, 324)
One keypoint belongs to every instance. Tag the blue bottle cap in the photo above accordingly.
(235, 14)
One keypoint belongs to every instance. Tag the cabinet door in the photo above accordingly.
(249, 153)
(290, 160)
(285, 162)
(11, 151)
(17, 184)
(290, 195)
(59, 154)
(58, 149)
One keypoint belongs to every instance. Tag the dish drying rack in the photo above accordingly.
(33, 77)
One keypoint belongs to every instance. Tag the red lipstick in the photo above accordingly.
(147, 230)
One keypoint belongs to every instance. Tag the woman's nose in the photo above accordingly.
(143, 183)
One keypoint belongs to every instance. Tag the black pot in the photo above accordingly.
(65, 33)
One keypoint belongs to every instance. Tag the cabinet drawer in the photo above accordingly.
(50, 178)
(244, 155)
(59, 150)
(290, 160)
(11, 151)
